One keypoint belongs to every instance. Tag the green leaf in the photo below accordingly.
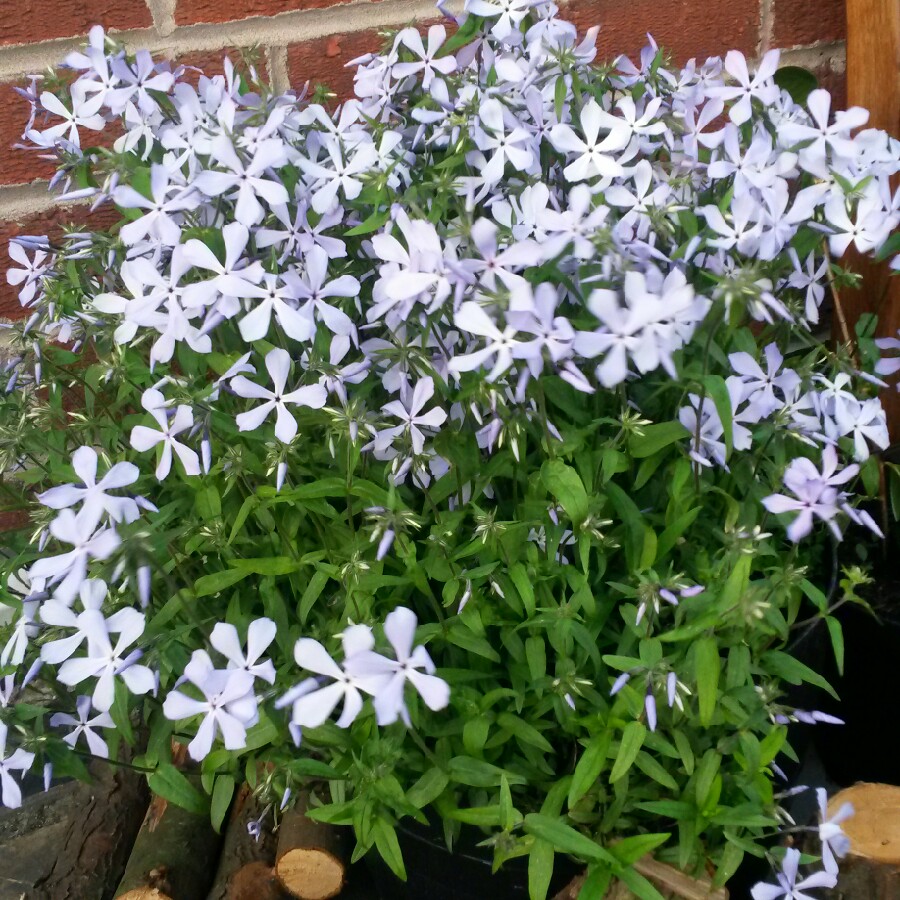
(631, 517)
(674, 531)
(629, 850)
(428, 788)
(671, 809)
(638, 885)
(685, 751)
(889, 248)
(218, 581)
(536, 657)
(707, 667)
(268, 565)
(311, 593)
(246, 508)
(519, 576)
(507, 810)
(652, 768)
(526, 733)
(478, 773)
(798, 82)
(540, 861)
(654, 438)
(718, 393)
(372, 223)
(462, 37)
(559, 97)
(223, 791)
(563, 483)
(794, 671)
(464, 637)
(632, 740)
(172, 785)
(589, 767)
(736, 584)
(208, 503)
(837, 641)
(388, 846)
(565, 838)
(119, 712)
(706, 773)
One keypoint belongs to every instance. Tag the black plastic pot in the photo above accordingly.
(433, 873)
(862, 749)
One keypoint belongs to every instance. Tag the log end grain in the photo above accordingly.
(145, 893)
(874, 827)
(310, 873)
(255, 881)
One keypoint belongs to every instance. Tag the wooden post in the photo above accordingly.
(873, 81)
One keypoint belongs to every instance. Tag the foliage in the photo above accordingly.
(477, 409)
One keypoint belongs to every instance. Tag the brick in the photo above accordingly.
(13, 520)
(801, 22)
(684, 28)
(51, 224)
(323, 60)
(212, 62)
(188, 12)
(29, 21)
(833, 81)
(17, 166)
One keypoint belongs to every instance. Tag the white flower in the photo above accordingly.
(278, 364)
(84, 114)
(92, 494)
(83, 725)
(312, 705)
(68, 570)
(411, 664)
(158, 222)
(246, 179)
(106, 661)
(260, 633)
(144, 438)
(834, 842)
(228, 706)
(19, 760)
(409, 410)
(594, 154)
(759, 86)
(429, 63)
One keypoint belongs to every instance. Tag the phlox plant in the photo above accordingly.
(467, 449)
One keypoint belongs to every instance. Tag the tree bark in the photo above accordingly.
(311, 860)
(174, 856)
(246, 865)
(73, 842)
(871, 870)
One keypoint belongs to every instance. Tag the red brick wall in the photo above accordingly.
(299, 40)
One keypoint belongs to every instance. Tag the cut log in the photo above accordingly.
(672, 883)
(244, 859)
(255, 881)
(174, 856)
(871, 870)
(311, 861)
(74, 840)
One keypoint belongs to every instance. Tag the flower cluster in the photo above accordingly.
(470, 361)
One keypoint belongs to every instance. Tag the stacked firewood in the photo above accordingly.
(108, 839)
